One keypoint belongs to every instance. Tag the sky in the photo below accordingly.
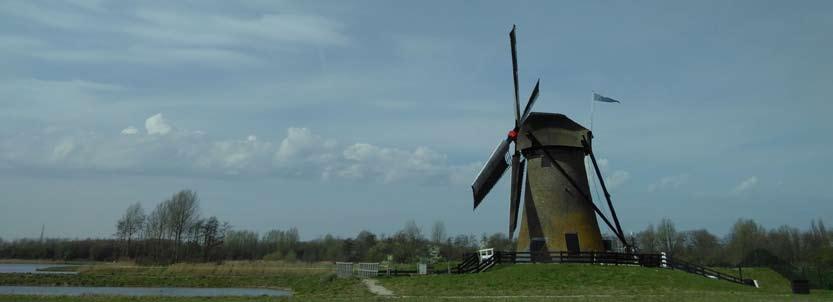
(342, 116)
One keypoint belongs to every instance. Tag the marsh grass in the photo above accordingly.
(251, 268)
(45, 261)
(59, 268)
(309, 280)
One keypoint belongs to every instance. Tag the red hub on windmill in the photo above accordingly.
(513, 134)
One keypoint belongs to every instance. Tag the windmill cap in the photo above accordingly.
(553, 129)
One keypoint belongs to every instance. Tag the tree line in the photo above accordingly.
(176, 231)
(795, 253)
(746, 237)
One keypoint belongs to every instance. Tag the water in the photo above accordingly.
(140, 291)
(30, 268)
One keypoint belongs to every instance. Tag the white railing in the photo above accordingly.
(367, 270)
(344, 269)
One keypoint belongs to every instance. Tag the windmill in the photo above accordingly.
(558, 210)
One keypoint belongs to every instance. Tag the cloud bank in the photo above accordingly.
(165, 149)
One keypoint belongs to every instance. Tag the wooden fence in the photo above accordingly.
(688, 267)
(649, 260)
(474, 264)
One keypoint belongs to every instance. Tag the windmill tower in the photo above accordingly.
(558, 211)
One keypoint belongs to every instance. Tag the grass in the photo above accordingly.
(315, 282)
(304, 280)
(594, 282)
(768, 279)
(59, 268)
(46, 261)
(436, 267)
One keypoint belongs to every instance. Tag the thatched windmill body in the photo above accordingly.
(549, 148)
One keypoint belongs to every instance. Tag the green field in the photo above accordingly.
(315, 282)
(595, 282)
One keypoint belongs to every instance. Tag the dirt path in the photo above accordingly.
(374, 287)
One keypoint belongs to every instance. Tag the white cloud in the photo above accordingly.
(669, 182)
(165, 35)
(156, 124)
(170, 151)
(130, 130)
(391, 164)
(237, 157)
(746, 184)
(465, 174)
(44, 14)
(301, 146)
(305, 153)
(93, 5)
(214, 29)
(618, 178)
(63, 149)
(603, 163)
(612, 180)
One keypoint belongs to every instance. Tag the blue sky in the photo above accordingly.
(340, 116)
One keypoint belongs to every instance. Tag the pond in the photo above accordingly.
(140, 291)
(33, 268)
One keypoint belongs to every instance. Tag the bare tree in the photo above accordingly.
(130, 225)
(702, 247)
(647, 239)
(670, 241)
(785, 242)
(213, 234)
(438, 234)
(746, 236)
(412, 231)
(156, 227)
(184, 212)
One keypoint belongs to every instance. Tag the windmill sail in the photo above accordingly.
(490, 173)
(515, 197)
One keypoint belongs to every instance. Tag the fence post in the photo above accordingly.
(663, 260)
(740, 271)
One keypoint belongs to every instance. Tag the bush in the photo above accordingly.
(328, 278)
(273, 256)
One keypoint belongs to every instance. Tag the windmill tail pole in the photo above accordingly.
(607, 194)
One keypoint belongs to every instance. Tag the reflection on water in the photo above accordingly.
(140, 291)
(30, 268)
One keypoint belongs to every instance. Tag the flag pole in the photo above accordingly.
(591, 176)
(592, 109)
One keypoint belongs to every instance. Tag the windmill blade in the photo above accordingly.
(532, 98)
(491, 172)
(515, 197)
(512, 42)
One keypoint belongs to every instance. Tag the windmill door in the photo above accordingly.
(572, 243)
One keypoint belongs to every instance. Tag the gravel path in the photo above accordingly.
(374, 287)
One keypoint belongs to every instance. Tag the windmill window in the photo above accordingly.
(572, 242)
(545, 162)
(538, 244)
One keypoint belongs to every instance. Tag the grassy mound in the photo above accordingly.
(594, 282)
(315, 282)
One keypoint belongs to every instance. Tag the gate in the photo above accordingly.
(344, 269)
(367, 270)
